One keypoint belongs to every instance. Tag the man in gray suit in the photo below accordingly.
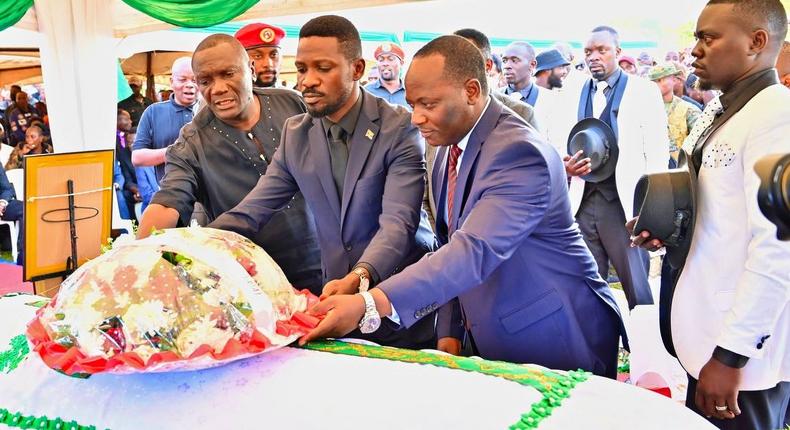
(359, 164)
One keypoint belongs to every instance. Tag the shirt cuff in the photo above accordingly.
(394, 317)
(374, 275)
(729, 358)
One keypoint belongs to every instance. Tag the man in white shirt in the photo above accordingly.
(727, 313)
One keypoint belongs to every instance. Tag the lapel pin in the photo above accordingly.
(369, 134)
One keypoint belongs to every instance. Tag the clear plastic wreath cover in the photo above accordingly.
(183, 299)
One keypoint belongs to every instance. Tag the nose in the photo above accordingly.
(697, 51)
(417, 118)
(309, 79)
(219, 87)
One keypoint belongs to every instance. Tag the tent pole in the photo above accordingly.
(150, 90)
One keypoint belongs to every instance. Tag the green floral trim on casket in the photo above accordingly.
(18, 420)
(554, 386)
(10, 358)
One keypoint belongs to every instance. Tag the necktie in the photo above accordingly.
(705, 120)
(338, 154)
(452, 176)
(599, 99)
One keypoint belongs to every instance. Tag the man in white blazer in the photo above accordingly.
(729, 309)
(633, 107)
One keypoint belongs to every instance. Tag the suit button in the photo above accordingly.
(348, 247)
(417, 315)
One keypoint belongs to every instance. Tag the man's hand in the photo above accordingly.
(346, 285)
(449, 345)
(576, 167)
(343, 314)
(135, 193)
(718, 386)
(643, 238)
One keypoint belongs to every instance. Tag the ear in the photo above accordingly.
(618, 51)
(759, 41)
(358, 68)
(489, 65)
(473, 91)
(251, 66)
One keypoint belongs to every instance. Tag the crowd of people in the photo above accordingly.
(473, 201)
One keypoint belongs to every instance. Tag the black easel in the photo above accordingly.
(71, 262)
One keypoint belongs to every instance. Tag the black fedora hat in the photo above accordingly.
(665, 203)
(773, 195)
(598, 143)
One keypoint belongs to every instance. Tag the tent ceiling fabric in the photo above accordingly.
(161, 62)
(11, 11)
(192, 13)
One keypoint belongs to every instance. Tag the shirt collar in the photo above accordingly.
(462, 144)
(400, 87)
(178, 106)
(525, 91)
(611, 81)
(349, 121)
(746, 88)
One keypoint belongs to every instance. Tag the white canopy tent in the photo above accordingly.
(78, 40)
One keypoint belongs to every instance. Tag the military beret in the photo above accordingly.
(259, 34)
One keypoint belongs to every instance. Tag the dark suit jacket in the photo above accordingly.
(124, 157)
(527, 283)
(378, 220)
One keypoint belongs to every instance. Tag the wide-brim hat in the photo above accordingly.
(665, 203)
(598, 143)
(550, 59)
(773, 196)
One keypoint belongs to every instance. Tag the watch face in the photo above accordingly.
(370, 323)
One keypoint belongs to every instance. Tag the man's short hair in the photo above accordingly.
(478, 38)
(769, 14)
(525, 46)
(216, 40)
(338, 27)
(459, 63)
(606, 29)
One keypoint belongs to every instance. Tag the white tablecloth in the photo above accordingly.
(300, 389)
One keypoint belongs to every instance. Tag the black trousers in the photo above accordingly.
(602, 223)
(760, 410)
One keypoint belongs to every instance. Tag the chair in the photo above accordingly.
(17, 178)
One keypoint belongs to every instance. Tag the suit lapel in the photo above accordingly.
(362, 141)
(476, 139)
(321, 162)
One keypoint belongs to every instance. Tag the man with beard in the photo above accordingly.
(359, 163)
(512, 253)
(219, 157)
(389, 86)
(727, 308)
(632, 107)
(136, 103)
(551, 70)
(262, 43)
(162, 121)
